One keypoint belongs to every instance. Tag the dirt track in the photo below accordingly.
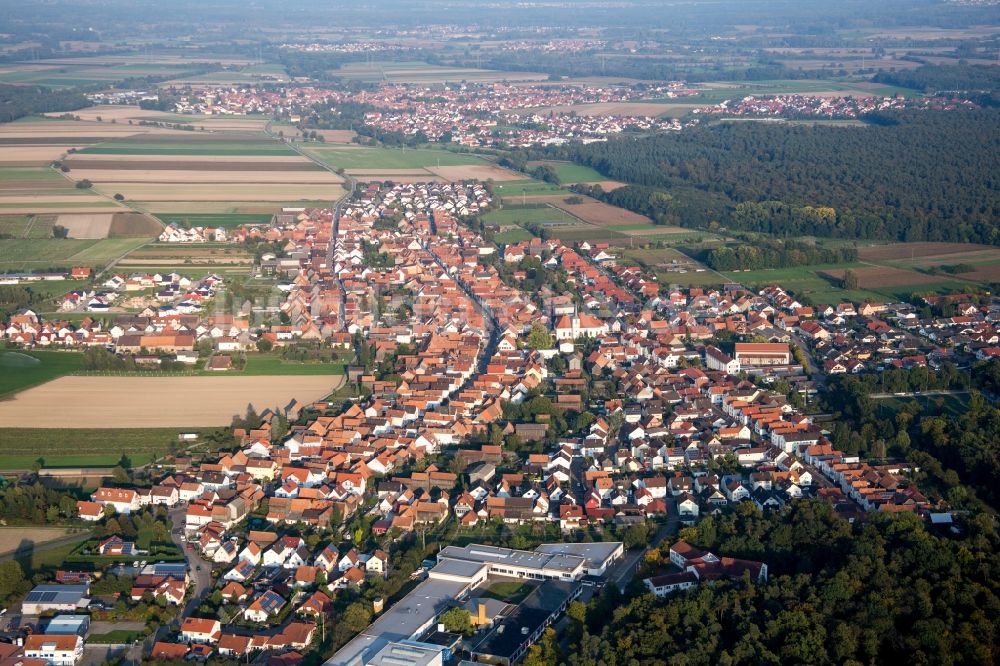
(156, 402)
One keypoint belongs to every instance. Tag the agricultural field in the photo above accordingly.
(514, 191)
(19, 254)
(22, 370)
(276, 366)
(421, 72)
(66, 74)
(191, 260)
(575, 173)
(408, 165)
(156, 402)
(212, 175)
(86, 447)
(20, 541)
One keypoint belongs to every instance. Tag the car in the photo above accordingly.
(198, 568)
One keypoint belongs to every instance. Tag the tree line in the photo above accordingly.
(19, 101)
(766, 253)
(910, 176)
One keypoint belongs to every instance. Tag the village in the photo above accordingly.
(617, 404)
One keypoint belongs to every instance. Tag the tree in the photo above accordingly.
(850, 280)
(119, 197)
(357, 616)
(539, 337)
(264, 345)
(11, 579)
(457, 620)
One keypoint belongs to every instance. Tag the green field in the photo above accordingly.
(951, 406)
(249, 147)
(275, 365)
(27, 226)
(22, 370)
(66, 75)
(45, 558)
(516, 188)
(576, 173)
(512, 236)
(226, 220)
(41, 254)
(86, 447)
(363, 157)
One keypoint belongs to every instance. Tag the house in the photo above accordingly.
(122, 500)
(200, 630)
(664, 585)
(54, 649)
(89, 511)
(762, 354)
(378, 563)
(687, 506)
(264, 607)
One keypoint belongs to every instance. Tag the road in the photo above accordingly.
(624, 571)
(199, 571)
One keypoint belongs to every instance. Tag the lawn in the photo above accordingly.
(22, 370)
(510, 591)
(48, 558)
(84, 447)
(275, 365)
(351, 157)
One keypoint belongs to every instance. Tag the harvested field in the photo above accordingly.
(137, 225)
(88, 207)
(246, 177)
(32, 155)
(987, 273)
(158, 163)
(474, 171)
(15, 539)
(599, 213)
(608, 185)
(220, 192)
(123, 161)
(94, 225)
(337, 136)
(150, 402)
(899, 251)
(878, 277)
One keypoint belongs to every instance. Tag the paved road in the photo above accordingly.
(624, 571)
(201, 579)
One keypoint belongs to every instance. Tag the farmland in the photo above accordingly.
(22, 540)
(156, 402)
(421, 72)
(22, 370)
(408, 165)
(27, 254)
(222, 174)
(85, 447)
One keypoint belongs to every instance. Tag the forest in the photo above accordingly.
(885, 590)
(909, 176)
(958, 454)
(932, 78)
(19, 101)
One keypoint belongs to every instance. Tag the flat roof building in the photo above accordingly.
(45, 598)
